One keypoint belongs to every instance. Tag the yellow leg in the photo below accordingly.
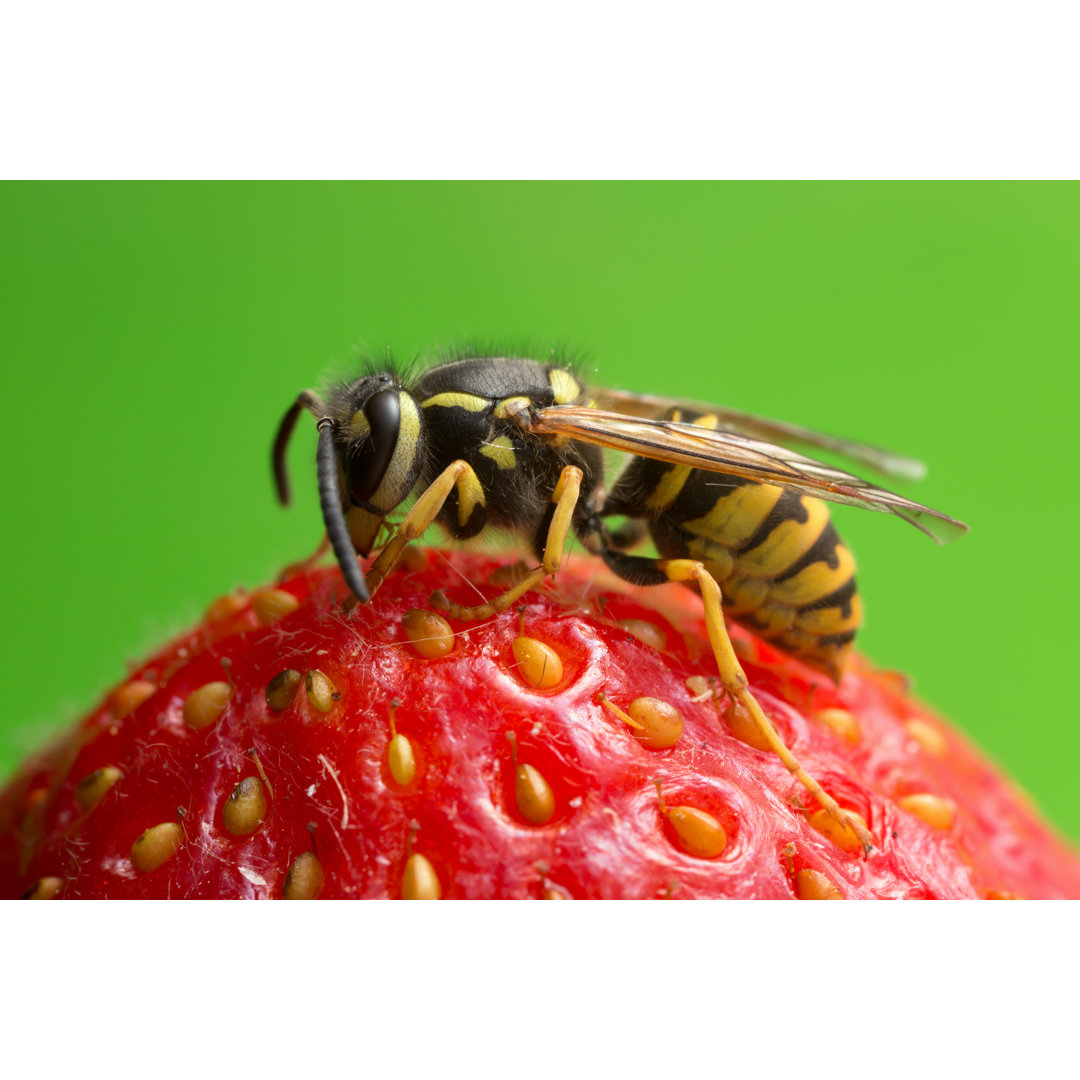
(565, 497)
(735, 683)
(458, 474)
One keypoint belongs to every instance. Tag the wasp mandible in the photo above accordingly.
(517, 443)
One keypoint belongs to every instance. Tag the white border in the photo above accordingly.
(521, 990)
(779, 89)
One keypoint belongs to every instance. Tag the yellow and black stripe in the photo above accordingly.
(781, 566)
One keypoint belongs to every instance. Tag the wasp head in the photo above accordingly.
(380, 443)
(370, 454)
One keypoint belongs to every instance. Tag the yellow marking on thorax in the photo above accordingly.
(787, 543)
(454, 399)
(735, 517)
(816, 580)
(564, 385)
(519, 402)
(674, 480)
(501, 451)
(470, 494)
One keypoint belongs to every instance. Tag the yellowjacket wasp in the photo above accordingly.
(517, 443)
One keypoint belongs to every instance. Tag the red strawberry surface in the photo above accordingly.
(290, 747)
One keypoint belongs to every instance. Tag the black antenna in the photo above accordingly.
(281, 476)
(305, 400)
(333, 518)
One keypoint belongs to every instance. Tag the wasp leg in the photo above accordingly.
(645, 571)
(735, 683)
(458, 474)
(565, 498)
(302, 566)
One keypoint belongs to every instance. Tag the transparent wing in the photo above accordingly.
(736, 455)
(774, 431)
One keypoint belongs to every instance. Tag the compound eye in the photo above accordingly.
(370, 458)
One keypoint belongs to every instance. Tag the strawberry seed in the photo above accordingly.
(245, 807)
(305, 878)
(156, 846)
(93, 787)
(204, 706)
(420, 882)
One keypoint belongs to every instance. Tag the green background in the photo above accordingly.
(153, 334)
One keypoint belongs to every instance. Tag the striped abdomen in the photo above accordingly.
(781, 567)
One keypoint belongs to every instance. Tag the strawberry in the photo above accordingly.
(575, 748)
